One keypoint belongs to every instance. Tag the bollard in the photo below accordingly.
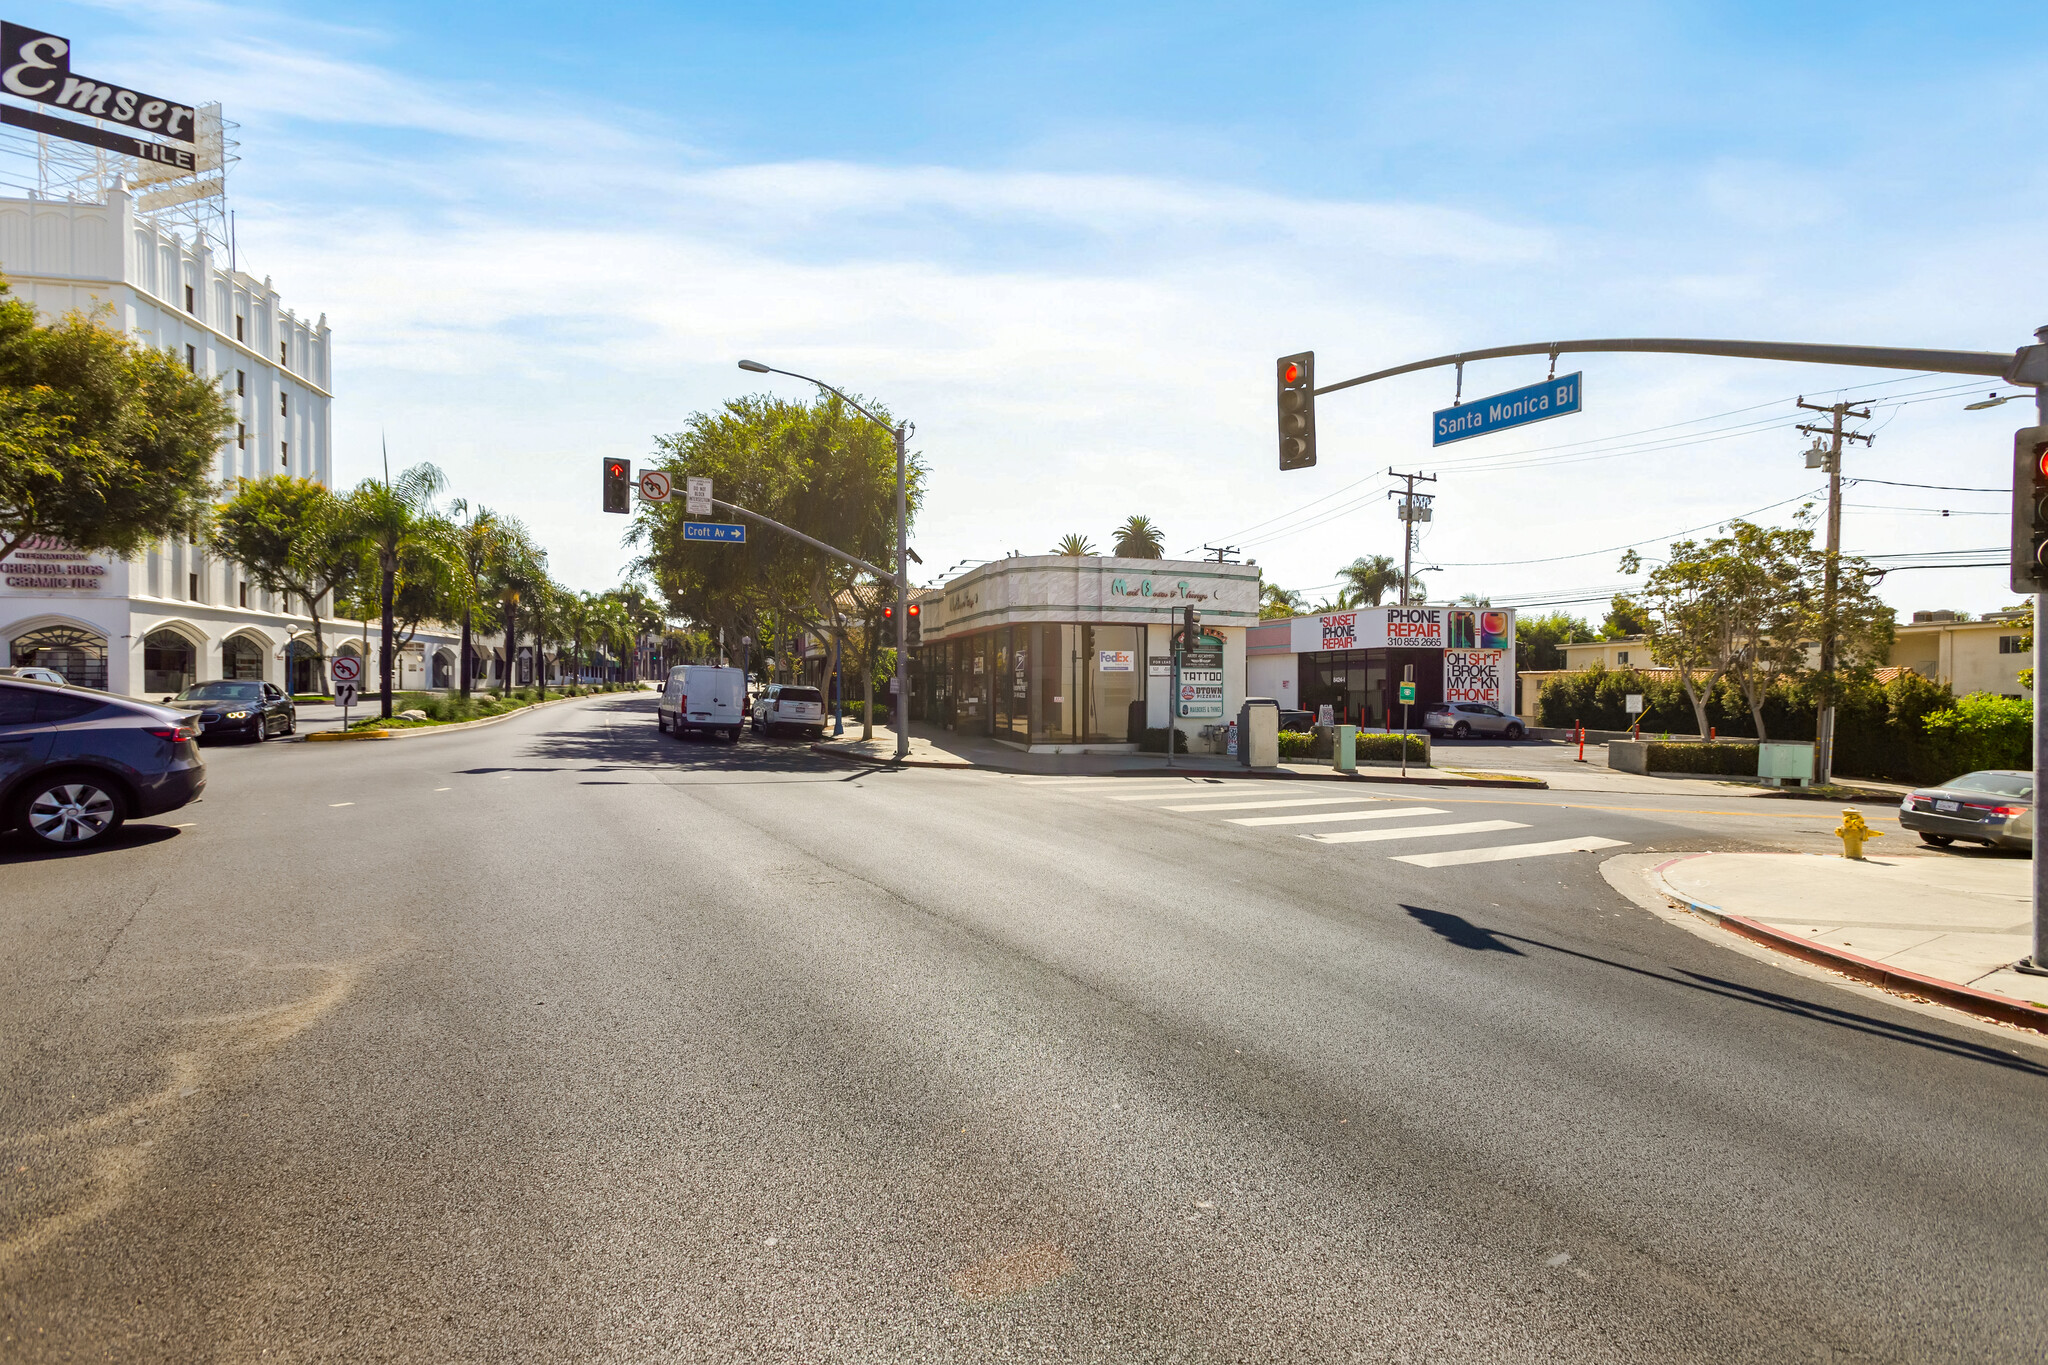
(1852, 832)
(1582, 743)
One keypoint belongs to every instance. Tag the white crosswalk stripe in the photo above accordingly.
(1364, 836)
(1273, 805)
(1193, 795)
(1330, 816)
(1501, 853)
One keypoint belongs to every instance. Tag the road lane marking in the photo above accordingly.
(338, 804)
(1275, 805)
(1501, 853)
(1362, 836)
(1326, 816)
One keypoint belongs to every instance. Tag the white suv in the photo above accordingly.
(785, 705)
(1464, 719)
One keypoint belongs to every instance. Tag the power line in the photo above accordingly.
(1938, 487)
(1587, 554)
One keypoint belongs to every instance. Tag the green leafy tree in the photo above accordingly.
(520, 567)
(1539, 640)
(1626, 619)
(1367, 581)
(294, 537)
(820, 468)
(1138, 538)
(1074, 545)
(1748, 606)
(105, 443)
(394, 519)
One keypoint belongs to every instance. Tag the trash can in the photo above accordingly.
(1258, 733)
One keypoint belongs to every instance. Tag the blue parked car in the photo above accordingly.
(75, 763)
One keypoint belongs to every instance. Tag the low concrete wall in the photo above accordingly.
(1629, 755)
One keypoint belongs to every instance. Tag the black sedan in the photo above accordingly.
(251, 710)
(1994, 808)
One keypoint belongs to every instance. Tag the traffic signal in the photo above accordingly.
(2030, 510)
(888, 615)
(1191, 626)
(916, 624)
(1297, 395)
(618, 485)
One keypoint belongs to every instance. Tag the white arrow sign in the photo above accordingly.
(655, 486)
(347, 669)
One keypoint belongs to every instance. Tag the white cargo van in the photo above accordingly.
(702, 697)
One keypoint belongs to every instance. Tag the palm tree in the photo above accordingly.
(1074, 545)
(1138, 538)
(479, 542)
(1277, 603)
(393, 520)
(1367, 581)
(1473, 599)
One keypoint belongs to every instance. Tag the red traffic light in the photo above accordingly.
(913, 608)
(888, 613)
(1290, 373)
(616, 470)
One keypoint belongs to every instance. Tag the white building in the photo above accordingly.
(172, 615)
(1069, 653)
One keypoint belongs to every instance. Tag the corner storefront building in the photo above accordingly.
(1061, 652)
(1354, 661)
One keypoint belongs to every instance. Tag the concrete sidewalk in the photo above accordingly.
(1949, 920)
(948, 749)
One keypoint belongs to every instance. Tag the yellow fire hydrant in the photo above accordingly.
(1852, 832)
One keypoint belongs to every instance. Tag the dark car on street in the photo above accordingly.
(1994, 808)
(248, 710)
(1300, 722)
(75, 763)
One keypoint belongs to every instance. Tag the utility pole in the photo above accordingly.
(1221, 552)
(1410, 512)
(1824, 732)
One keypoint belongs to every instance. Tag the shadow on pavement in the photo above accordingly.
(1461, 932)
(19, 846)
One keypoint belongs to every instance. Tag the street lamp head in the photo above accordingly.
(1991, 401)
(754, 366)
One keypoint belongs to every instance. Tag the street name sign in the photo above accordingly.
(697, 497)
(347, 668)
(1517, 407)
(727, 532)
(654, 486)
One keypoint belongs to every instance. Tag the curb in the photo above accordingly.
(827, 751)
(329, 735)
(1984, 1004)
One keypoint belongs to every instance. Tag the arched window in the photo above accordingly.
(168, 662)
(241, 659)
(80, 655)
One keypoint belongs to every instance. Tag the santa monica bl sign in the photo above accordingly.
(1517, 407)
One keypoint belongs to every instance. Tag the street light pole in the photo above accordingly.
(899, 683)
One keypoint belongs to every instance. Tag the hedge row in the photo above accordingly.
(1909, 729)
(1728, 760)
(1297, 747)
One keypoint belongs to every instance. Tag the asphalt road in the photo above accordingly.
(563, 1040)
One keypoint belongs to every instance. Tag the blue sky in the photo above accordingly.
(1068, 242)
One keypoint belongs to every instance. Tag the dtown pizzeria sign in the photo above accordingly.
(43, 563)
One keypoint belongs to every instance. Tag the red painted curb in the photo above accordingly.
(1984, 1004)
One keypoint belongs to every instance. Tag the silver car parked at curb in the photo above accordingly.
(1994, 808)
